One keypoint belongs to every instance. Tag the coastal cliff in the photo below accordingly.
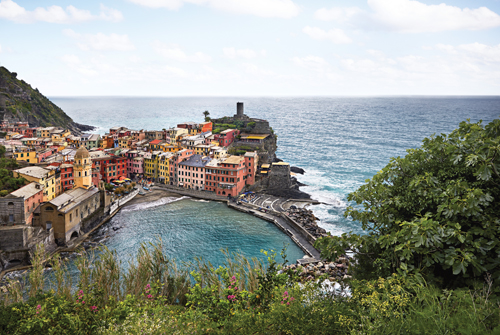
(20, 102)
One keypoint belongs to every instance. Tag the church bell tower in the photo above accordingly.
(82, 169)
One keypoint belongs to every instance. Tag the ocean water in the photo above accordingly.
(339, 141)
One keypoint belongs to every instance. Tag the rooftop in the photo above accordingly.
(27, 191)
(233, 160)
(68, 200)
(33, 171)
(196, 161)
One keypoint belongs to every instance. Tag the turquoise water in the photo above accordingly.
(189, 228)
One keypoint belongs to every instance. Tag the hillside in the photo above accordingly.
(20, 102)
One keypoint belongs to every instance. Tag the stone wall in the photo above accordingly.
(15, 237)
(279, 177)
(12, 208)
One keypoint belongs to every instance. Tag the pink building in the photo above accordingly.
(17, 208)
(137, 167)
(179, 157)
(251, 161)
(192, 172)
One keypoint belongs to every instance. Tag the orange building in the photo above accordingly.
(205, 126)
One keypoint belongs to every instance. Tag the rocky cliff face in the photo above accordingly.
(20, 102)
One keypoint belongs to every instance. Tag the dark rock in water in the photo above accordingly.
(298, 170)
(116, 228)
(84, 127)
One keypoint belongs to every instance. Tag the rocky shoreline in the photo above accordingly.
(306, 219)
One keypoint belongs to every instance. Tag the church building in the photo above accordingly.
(67, 212)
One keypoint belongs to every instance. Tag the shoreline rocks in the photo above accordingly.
(306, 219)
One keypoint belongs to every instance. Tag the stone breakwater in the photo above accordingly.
(334, 271)
(307, 220)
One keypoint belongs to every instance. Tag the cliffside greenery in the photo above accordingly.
(434, 212)
(20, 102)
(7, 182)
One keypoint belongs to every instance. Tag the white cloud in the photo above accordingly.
(169, 4)
(55, 14)
(414, 17)
(100, 41)
(410, 16)
(262, 8)
(174, 52)
(312, 63)
(233, 53)
(336, 13)
(482, 53)
(336, 36)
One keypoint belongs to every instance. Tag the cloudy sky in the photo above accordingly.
(253, 47)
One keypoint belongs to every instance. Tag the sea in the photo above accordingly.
(340, 142)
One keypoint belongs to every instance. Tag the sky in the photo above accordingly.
(253, 47)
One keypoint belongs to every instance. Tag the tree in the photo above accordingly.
(206, 114)
(434, 211)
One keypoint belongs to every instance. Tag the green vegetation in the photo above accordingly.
(23, 102)
(433, 212)
(7, 182)
(155, 296)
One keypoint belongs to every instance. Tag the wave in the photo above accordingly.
(200, 200)
(159, 202)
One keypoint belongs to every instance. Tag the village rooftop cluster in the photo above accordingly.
(58, 162)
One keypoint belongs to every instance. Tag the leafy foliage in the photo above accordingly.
(433, 211)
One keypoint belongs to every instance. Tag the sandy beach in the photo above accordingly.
(151, 196)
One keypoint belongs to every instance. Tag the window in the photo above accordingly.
(49, 209)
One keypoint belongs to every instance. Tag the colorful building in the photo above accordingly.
(226, 177)
(45, 177)
(18, 207)
(192, 172)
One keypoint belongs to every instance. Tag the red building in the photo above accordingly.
(67, 179)
(96, 175)
(251, 161)
(226, 137)
(227, 176)
(111, 167)
(205, 126)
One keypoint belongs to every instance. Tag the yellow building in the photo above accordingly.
(82, 169)
(164, 167)
(175, 133)
(123, 142)
(165, 147)
(29, 156)
(42, 176)
(151, 164)
(46, 132)
(9, 135)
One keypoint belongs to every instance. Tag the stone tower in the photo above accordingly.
(82, 169)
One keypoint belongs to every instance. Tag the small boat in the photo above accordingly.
(147, 189)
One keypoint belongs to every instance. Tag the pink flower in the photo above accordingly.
(37, 312)
(93, 308)
(288, 303)
(229, 287)
(38, 307)
(292, 299)
(233, 278)
(286, 293)
(148, 286)
(150, 296)
(80, 292)
(83, 302)
(282, 302)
